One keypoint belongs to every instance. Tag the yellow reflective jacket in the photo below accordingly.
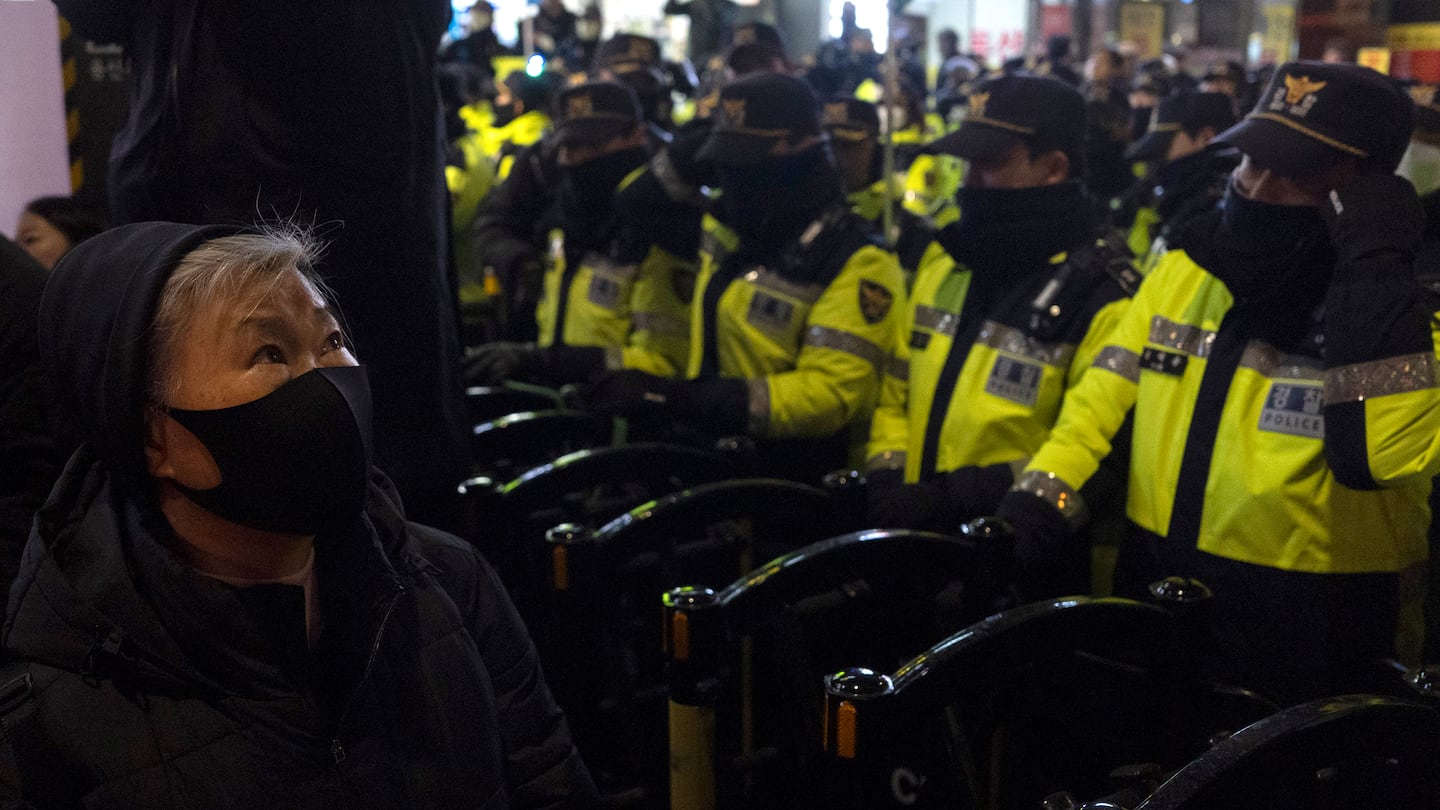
(810, 336)
(1264, 434)
(982, 386)
(501, 143)
(633, 300)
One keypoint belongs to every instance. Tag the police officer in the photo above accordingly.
(1281, 372)
(854, 129)
(1187, 178)
(790, 324)
(634, 61)
(1008, 313)
(610, 298)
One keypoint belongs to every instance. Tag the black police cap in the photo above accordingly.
(1313, 115)
(850, 118)
(627, 53)
(595, 112)
(1187, 111)
(757, 115)
(1038, 111)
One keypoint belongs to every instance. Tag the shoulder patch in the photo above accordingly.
(875, 301)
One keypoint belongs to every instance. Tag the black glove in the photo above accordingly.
(717, 405)
(940, 504)
(630, 393)
(1375, 212)
(498, 361)
(1043, 543)
(890, 503)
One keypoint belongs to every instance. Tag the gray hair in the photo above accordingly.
(232, 269)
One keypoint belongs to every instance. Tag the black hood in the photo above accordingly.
(94, 332)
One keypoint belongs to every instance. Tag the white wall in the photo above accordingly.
(34, 155)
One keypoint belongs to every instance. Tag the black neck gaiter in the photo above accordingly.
(1017, 230)
(769, 204)
(587, 195)
(1263, 251)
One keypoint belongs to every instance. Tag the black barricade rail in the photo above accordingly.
(509, 445)
(1354, 751)
(484, 403)
(1040, 698)
(601, 648)
(746, 662)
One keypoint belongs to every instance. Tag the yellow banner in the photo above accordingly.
(1144, 25)
(1415, 37)
(1377, 59)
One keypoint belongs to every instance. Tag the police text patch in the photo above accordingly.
(1015, 380)
(1163, 361)
(604, 292)
(1294, 410)
(769, 312)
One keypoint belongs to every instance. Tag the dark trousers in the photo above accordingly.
(1287, 635)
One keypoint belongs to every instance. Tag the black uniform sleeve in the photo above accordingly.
(27, 443)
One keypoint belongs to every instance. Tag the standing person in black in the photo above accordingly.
(27, 436)
(326, 113)
(222, 604)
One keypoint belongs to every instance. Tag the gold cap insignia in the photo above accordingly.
(734, 109)
(837, 113)
(640, 49)
(977, 104)
(579, 105)
(875, 302)
(1298, 87)
(1423, 94)
(745, 35)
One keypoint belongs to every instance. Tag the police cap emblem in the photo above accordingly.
(579, 105)
(875, 302)
(976, 104)
(1298, 87)
(734, 109)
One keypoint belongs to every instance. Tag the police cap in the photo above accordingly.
(851, 119)
(1313, 115)
(1189, 112)
(757, 115)
(628, 53)
(595, 112)
(761, 34)
(1038, 111)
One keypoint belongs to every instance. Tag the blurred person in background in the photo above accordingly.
(50, 226)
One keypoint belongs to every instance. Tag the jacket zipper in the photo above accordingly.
(337, 749)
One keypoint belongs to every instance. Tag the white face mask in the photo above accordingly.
(1421, 166)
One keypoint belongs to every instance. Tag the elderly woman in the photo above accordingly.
(222, 604)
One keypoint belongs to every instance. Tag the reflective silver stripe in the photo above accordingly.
(825, 337)
(937, 320)
(763, 278)
(759, 397)
(1119, 360)
(1393, 375)
(659, 323)
(1049, 488)
(897, 368)
(609, 268)
(1189, 339)
(888, 460)
(669, 177)
(1010, 340)
(1276, 365)
(614, 358)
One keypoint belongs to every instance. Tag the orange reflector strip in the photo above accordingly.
(680, 635)
(559, 568)
(845, 730)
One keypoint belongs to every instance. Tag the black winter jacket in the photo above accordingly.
(152, 686)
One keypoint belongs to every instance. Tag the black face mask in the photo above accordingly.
(1016, 231)
(772, 202)
(1263, 246)
(587, 194)
(296, 460)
